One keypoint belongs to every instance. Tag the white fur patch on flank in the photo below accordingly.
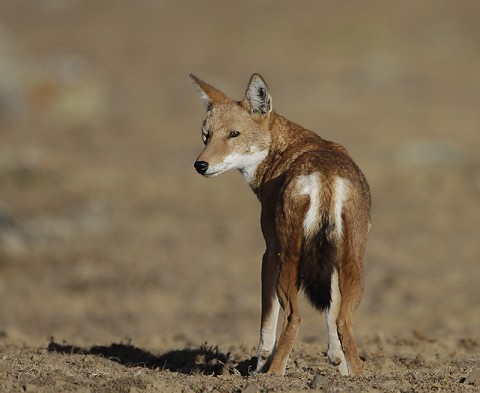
(339, 196)
(310, 185)
(335, 353)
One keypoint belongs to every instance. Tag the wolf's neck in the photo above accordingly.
(250, 170)
(289, 141)
(265, 167)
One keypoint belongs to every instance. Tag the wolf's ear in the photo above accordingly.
(258, 98)
(208, 94)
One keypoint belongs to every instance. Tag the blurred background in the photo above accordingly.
(107, 233)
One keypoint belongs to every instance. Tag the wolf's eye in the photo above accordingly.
(233, 134)
(205, 136)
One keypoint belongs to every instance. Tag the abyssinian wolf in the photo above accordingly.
(315, 217)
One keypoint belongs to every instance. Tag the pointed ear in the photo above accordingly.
(257, 98)
(208, 94)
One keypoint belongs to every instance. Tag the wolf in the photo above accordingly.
(315, 217)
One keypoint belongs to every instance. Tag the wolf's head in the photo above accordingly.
(235, 133)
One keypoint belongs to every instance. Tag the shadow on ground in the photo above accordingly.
(207, 360)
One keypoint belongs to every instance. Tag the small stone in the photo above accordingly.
(474, 377)
(301, 363)
(35, 358)
(251, 388)
(59, 384)
(209, 388)
(319, 382)
(388, 366)
(6, 385)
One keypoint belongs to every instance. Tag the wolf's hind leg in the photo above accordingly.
(336, 357)
(270, 310)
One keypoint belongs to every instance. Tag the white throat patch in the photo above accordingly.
(247, 164)
(251, 163)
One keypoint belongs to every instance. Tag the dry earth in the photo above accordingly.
(122, 270)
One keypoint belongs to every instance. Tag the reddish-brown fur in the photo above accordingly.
(315, 214)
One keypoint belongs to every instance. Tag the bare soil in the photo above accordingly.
(121, 270)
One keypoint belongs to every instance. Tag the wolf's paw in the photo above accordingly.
(263, 361)
(337, 359)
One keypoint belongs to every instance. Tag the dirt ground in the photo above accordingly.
(121, 270)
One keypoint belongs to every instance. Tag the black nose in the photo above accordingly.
(201, 166)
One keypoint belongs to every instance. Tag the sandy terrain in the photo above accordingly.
(122, 270)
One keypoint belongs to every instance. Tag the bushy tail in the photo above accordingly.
(317, 264)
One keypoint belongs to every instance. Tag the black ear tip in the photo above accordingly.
(258, 80)
(194, 78)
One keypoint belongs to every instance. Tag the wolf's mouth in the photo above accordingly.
(216, 170)
(211, 174)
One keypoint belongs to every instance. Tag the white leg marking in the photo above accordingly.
(268, 334)
(310, 185)
(340, 194)
(335, 352)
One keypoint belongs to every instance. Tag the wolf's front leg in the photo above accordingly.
(270, 310)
